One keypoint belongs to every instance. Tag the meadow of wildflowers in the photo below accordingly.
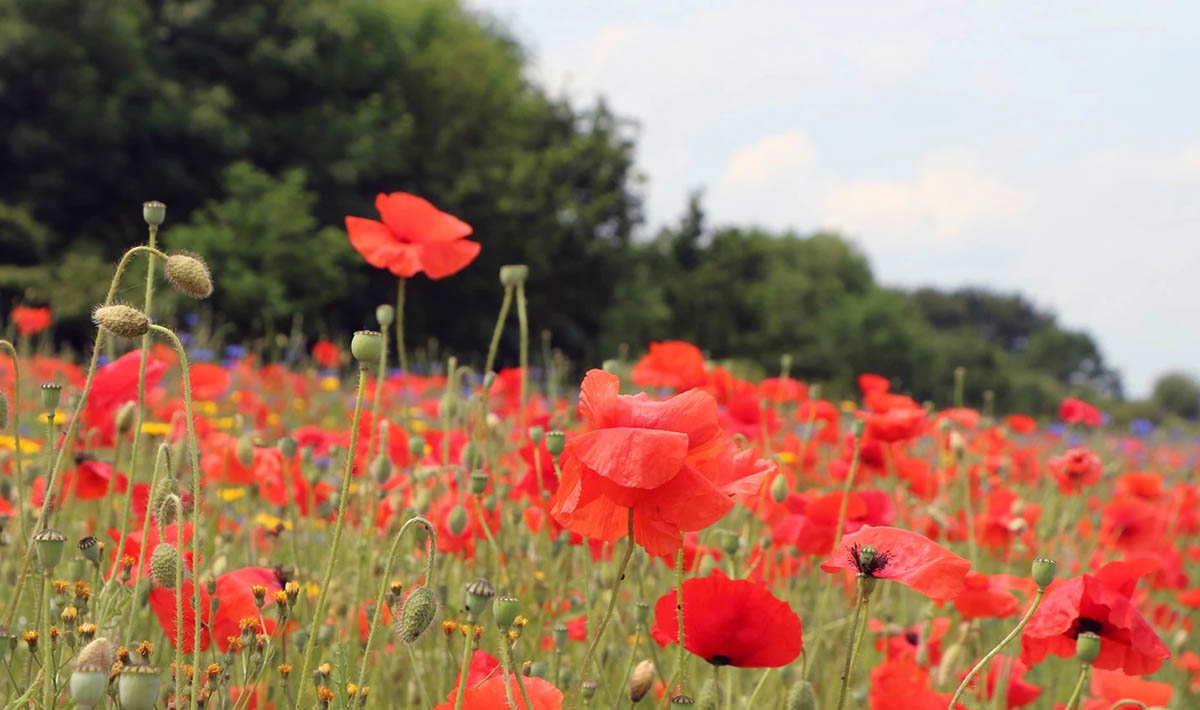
(364, 528)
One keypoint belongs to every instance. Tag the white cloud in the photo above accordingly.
(776, 157)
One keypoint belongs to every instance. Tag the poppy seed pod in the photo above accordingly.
(122, 321)
(287, 447)
(588, 689)
(457, 520)
(385, 314)
(88, 683)
(51, 395)
(779, 489)
(189, 275)
(1044, 569)
(641, 680)
(90, 548)
(536, 433)
(137, 687)
(682, 699)
(555, 442)
(478, 483)
(367, 347)
(513, 275)
(49, 546)
(417, 614)
(154, 212)
(479, 593)
(416, 445)
(164, 564)
(505, 610)
(1087, 647)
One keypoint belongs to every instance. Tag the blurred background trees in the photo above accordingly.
(262, 125)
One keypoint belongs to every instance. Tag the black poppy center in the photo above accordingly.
(867, 561)
(720, 660)
(1084, 624)
(912, 637)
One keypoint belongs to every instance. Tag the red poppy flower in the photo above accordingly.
(114, 385)
(414, 236)
(896, 424)
(1099, 603)
(30, 321)
(1021, 423)
(208, 381)
(1019, 693)
(986, 596)
(674, 364)
(235, 602)
(326, 354)
(485, 688)
(1075, 469)
(667, 461)
(1110, 686)
(903, 556)
(900, 684)
(1077, 411)
(133, 546)
(730, 622)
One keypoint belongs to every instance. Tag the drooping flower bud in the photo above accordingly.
(164, 564)
(1044, 569)
(189, 275)
(641, 680)
(381, 469)
(367, 347)
(125, 417)
(417, 614)
(122, 321)
(137, 687)
(154, 212)
(245, 451)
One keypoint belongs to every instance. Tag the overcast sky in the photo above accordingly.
(1047, 147)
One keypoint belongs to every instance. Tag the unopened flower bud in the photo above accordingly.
(416, 445)
(417, 614)
(245, 451)
(641, 680)
(287, 447)
(189, 275)
(457, 520)
(1087, 647)
(122, 321)
(479, 482)
(513, 275)
(98, 652)
(801, 697)
(154, 212)
(779, 489)
(125, 417)
(385, 314)
(164, 564)
(1044, 569)
(367, 347)
(555, 441)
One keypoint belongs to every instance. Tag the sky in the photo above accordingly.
(1051, 148)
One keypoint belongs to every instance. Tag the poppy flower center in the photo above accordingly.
(1084, 624)
(719, 660)
(867, 560)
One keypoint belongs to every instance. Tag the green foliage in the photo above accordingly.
(1178, 394)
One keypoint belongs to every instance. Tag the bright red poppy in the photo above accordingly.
(1099, 603)
(485, 688)
(208, 381)
(1108, 687)
(413, 237)
(674, 364)
(669, 462)
(326, 354)
(1076, 469)
(1077, 411)
(902, 556)
(730, 622)
(114, 385)
(990, 596)
(30, 321)
(900, 684)
(235, 602)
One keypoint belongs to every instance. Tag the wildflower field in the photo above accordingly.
(373, 525)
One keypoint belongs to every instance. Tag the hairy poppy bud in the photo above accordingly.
(367, 347)
(479, 594)
(555, 441)
(801, 697)
(49, 546)
(189, 275)
(416, 445)
(641, 680)
(1087, 647)
(154, 212)
(98, 652)
(51, 394)
(164, 564)
(88, 683)
(169, 509)
(779, 489)
(457, 521)
(513, 275)
(122, 321)
(1044, 569)
(417, 614)
(505, 610)
(137, 687)
(125, 417)
(385, 314)
(381, 469)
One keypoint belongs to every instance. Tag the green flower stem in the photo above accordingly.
(1127, 701)
(1077, 694)
(612, 602)
(18, 455)
(758, 687)
(194, 455)
(377, 403)
(426, 698)
(141, 558)
(504, 306)
(179, 603)
(487, 531)
(678, 673)
(854, 459)
(339, 525)
(966, 681)
(383, 584)
(523, 320)
(854, 635)
(466, 663)
(401, 353)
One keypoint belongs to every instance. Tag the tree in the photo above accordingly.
(1178, 393)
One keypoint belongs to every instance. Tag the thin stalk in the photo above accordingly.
(18, 455)
(339, 525)
(466, 663)
(504, 306)
(1077, 694)
(854, 637)
(487, 531)
(401, 353)
(612, 602)
(841, 521)
(523, 321)
(966, 681)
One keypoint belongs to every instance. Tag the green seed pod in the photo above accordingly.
(367, 347)
(555, 441)
(513, 275)
(478, 483)
(154, 212)
(505, 610)
(641, 680)
(1087, 647)
(385, 314)
(51, 395)
(88, 684)
(457, 520)
(122, 321)
(479, 593)
(779, 489)
(643, 612)
(287, 447)
(417, 614)
(49, 547)
(588, 689)
(560, 637)
(472, 457)
(537, 669)
(682, 699)
(536, 433)
(189, 275)
(164, 564)
(381, 469)
(1044, 569)
(416, 445)
(731, 542)
(801, 696)
(90, 548)
(245, 451)
(137, 687)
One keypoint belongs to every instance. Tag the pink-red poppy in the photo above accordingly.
(673, 364)
(30, 321)
(486, 690)
(414, 237)
(326, 354)
(235, 603)
(902, 556)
